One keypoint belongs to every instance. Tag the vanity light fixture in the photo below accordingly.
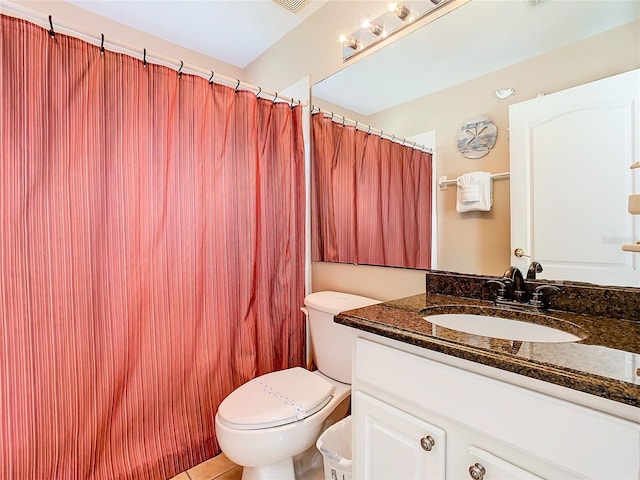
(397, 16)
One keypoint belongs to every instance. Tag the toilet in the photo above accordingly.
(270, 424)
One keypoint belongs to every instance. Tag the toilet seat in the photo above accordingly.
(274, 399)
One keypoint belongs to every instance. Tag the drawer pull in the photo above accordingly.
(427, 443)
(477, 471)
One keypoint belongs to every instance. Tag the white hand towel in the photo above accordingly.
(474, 192)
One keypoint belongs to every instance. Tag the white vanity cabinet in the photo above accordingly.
(415, 417)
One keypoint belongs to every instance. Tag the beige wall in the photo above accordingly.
(381, 283)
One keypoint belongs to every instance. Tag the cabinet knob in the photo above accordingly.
(427, 443)
(477, 471)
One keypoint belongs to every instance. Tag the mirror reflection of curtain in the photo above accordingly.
(371, 198)
(151, 257)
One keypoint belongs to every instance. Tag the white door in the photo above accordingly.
(393, 445)
(571, 153)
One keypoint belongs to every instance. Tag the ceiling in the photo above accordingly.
(234, 31)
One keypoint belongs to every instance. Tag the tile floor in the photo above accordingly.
(218, 468)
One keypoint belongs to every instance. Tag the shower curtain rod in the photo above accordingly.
(367, 128)
(180, 67)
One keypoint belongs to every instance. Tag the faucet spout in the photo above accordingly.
(515, 275)
(534, 268)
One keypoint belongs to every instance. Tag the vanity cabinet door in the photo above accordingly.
(393, 444)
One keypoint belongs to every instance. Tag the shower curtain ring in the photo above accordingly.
(102, 44)
(144, 58)
(292, 104)
(211, 78)
(381, 134)
(394, 138)
(356, 125)
(403, 141)
(237, 86)
(369, 131)
(275, 98)
(259, 91)
(343, 120)
(180, 69)
(52, 33)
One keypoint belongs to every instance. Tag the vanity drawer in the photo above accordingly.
(582, 441)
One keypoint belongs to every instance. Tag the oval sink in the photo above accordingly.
(498, 327)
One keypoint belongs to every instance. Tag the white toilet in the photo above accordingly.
(265, 423)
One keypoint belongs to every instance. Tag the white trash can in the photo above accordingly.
(335, 446)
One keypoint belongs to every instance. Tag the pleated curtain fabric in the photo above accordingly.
(151, 257)
(371, 198)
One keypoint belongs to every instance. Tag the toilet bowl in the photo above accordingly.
(272, 420)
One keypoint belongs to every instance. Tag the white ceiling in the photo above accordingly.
(234, 31)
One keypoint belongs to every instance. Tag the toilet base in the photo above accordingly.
(282, 470)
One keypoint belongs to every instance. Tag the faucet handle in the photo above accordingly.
(536, 297)
(541, 288)
(502, 287)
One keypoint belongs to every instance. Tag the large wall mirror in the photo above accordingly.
(447, 71)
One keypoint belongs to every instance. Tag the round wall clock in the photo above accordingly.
(477, 136)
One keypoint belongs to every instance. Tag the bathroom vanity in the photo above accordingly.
(434, 402)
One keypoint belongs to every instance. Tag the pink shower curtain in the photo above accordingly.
(371, 198)
(151, 257)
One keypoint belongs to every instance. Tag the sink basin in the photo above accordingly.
(504, 328)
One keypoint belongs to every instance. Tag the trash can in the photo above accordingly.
(335, 446)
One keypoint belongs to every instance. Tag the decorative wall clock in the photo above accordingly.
(477, 136)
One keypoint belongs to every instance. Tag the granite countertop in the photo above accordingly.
(605, 362)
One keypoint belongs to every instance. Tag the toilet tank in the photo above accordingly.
(330, 341)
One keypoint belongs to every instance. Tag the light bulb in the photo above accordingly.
(350, 42)
(399, 10)
(375, 28)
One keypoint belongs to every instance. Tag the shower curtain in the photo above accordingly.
(151, 257)
(371, 198)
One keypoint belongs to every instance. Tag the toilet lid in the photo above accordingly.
(274, 399)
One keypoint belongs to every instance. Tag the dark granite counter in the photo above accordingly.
(604, 362)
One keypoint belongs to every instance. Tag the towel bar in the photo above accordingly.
(443, 182)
